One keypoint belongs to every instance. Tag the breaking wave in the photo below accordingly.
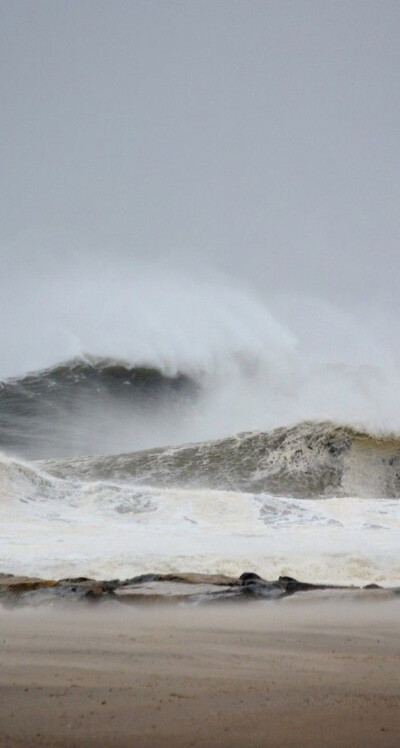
(212, 506)
(307, 460)
(54, 411)
(105, 406)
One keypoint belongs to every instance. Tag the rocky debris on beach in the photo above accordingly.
(173, 588)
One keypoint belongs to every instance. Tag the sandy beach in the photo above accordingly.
(293, 673)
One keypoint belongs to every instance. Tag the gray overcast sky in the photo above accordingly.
(260, 137)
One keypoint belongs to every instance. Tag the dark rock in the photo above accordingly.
(171, 588)
(30, 585)
(196, 578)
(142, 579)
(293, 585)
(248, 576)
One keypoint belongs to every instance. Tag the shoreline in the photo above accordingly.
(191, 588)
(280, 675)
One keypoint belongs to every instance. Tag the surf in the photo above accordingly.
(310, 459)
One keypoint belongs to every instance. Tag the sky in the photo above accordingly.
(255, 140)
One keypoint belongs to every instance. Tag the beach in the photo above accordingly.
(298, 672)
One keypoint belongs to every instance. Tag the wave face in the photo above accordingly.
(307, 460)
(66, 408)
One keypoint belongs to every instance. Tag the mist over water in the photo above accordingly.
(251, 368)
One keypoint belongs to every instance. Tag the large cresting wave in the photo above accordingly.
(119, 359)
(73, 407)
(307, 460)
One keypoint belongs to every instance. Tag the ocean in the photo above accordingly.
(112, 467)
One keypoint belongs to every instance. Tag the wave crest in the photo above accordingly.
(309, 459)
(54, 411)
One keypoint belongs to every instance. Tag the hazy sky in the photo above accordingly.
(260, 137)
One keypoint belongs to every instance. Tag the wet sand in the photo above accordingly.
(276, 674)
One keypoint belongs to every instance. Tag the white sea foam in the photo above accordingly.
(59, 527)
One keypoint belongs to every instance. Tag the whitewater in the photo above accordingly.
(160, 424)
